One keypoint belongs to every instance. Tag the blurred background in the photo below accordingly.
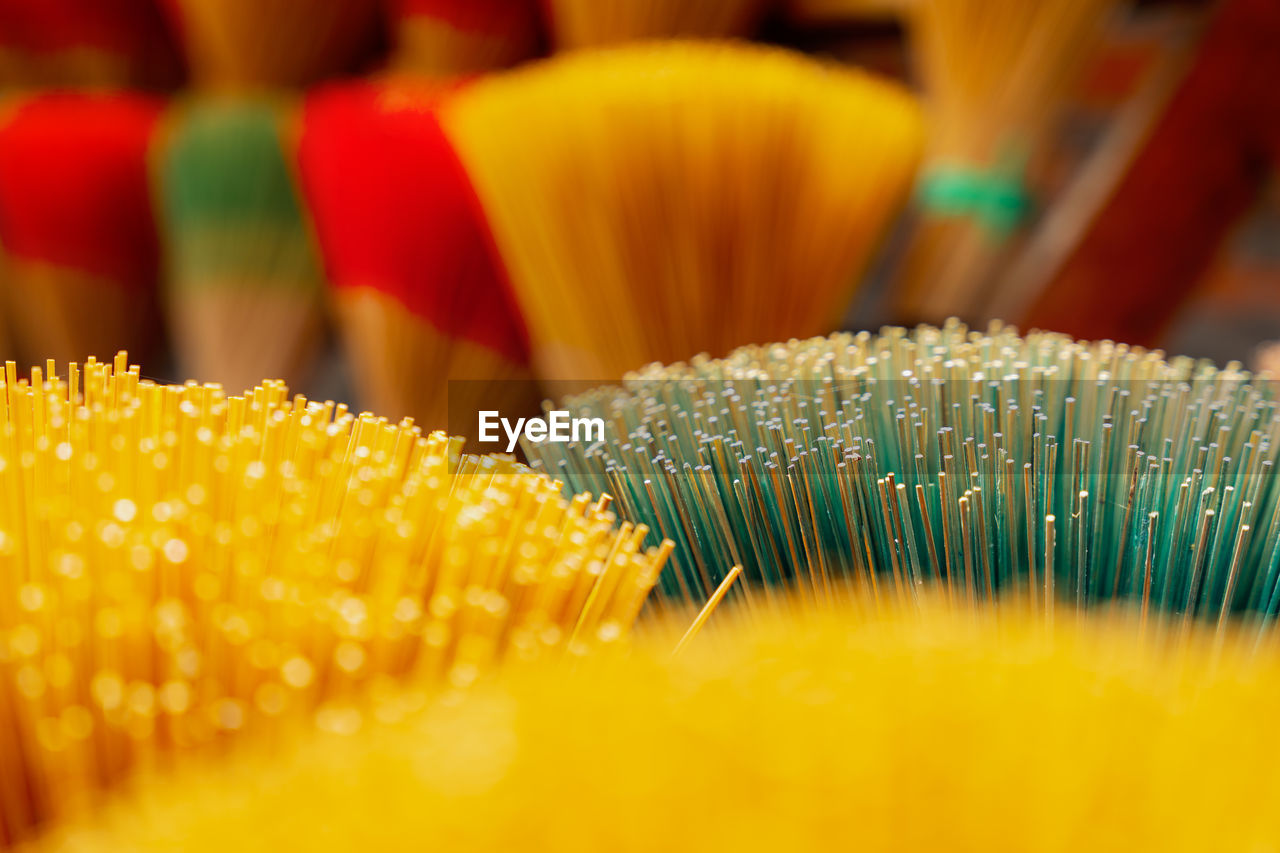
(368, 198)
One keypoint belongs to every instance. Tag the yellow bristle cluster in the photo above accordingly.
(178, 566)
(798, 730)
(662, 200)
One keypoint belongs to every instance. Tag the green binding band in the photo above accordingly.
(997, 200)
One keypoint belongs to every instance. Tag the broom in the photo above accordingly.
(180, 570)
(667, 199)
(84, 43)
(245, 290)
(272, 43)
(76, 222)
(589, 23)
(444, 37)
(996, 76)
(985, 463)
(419, 298)
(800, 731)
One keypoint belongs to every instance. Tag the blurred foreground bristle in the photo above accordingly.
(800, 729)
(180, 569)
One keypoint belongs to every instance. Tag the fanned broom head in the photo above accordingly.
(269, 43)
(444, 37)
(76, 222)
(245, 286)
(662, 200)
(420, 296)
(590, 23)
(986, 463)
(180, 570)
(84, 43)
(803, 731)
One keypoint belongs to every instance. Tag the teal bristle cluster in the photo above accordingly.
(990, 463)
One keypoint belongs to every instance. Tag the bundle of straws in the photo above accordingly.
(688, 196)
(987, 463)
(180, 570)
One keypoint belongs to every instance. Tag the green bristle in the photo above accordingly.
(230, 208)
(997, 463)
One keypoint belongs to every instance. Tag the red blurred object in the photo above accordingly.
(420, 294)
(1202, 167)
(395, 211)
(85, 42)
(76, 223)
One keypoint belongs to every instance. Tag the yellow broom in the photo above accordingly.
(180, 570)
(663, 200)
(420, 299)
(802, 730)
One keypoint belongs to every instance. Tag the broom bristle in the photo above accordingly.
(662, 200)
(180, 569)
(800, 731)
(590, 23)
(445, 37)
(266, 43)
(420, 298)
(996, 75)
(984, 463)
(76, 222)
(245, 290)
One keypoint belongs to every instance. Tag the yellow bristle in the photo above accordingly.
(179, 569)
(591, 23)
(661, 200)
(799, 730)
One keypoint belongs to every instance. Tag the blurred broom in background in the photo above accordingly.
(444, 37)
(591, 23)
(181, 570)
(662, 200)
(84, 43)
(272, 43)
(804, 730)
(987, 464)
(418, 293)
(76, 223)
(995, 76)
(245, 292)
